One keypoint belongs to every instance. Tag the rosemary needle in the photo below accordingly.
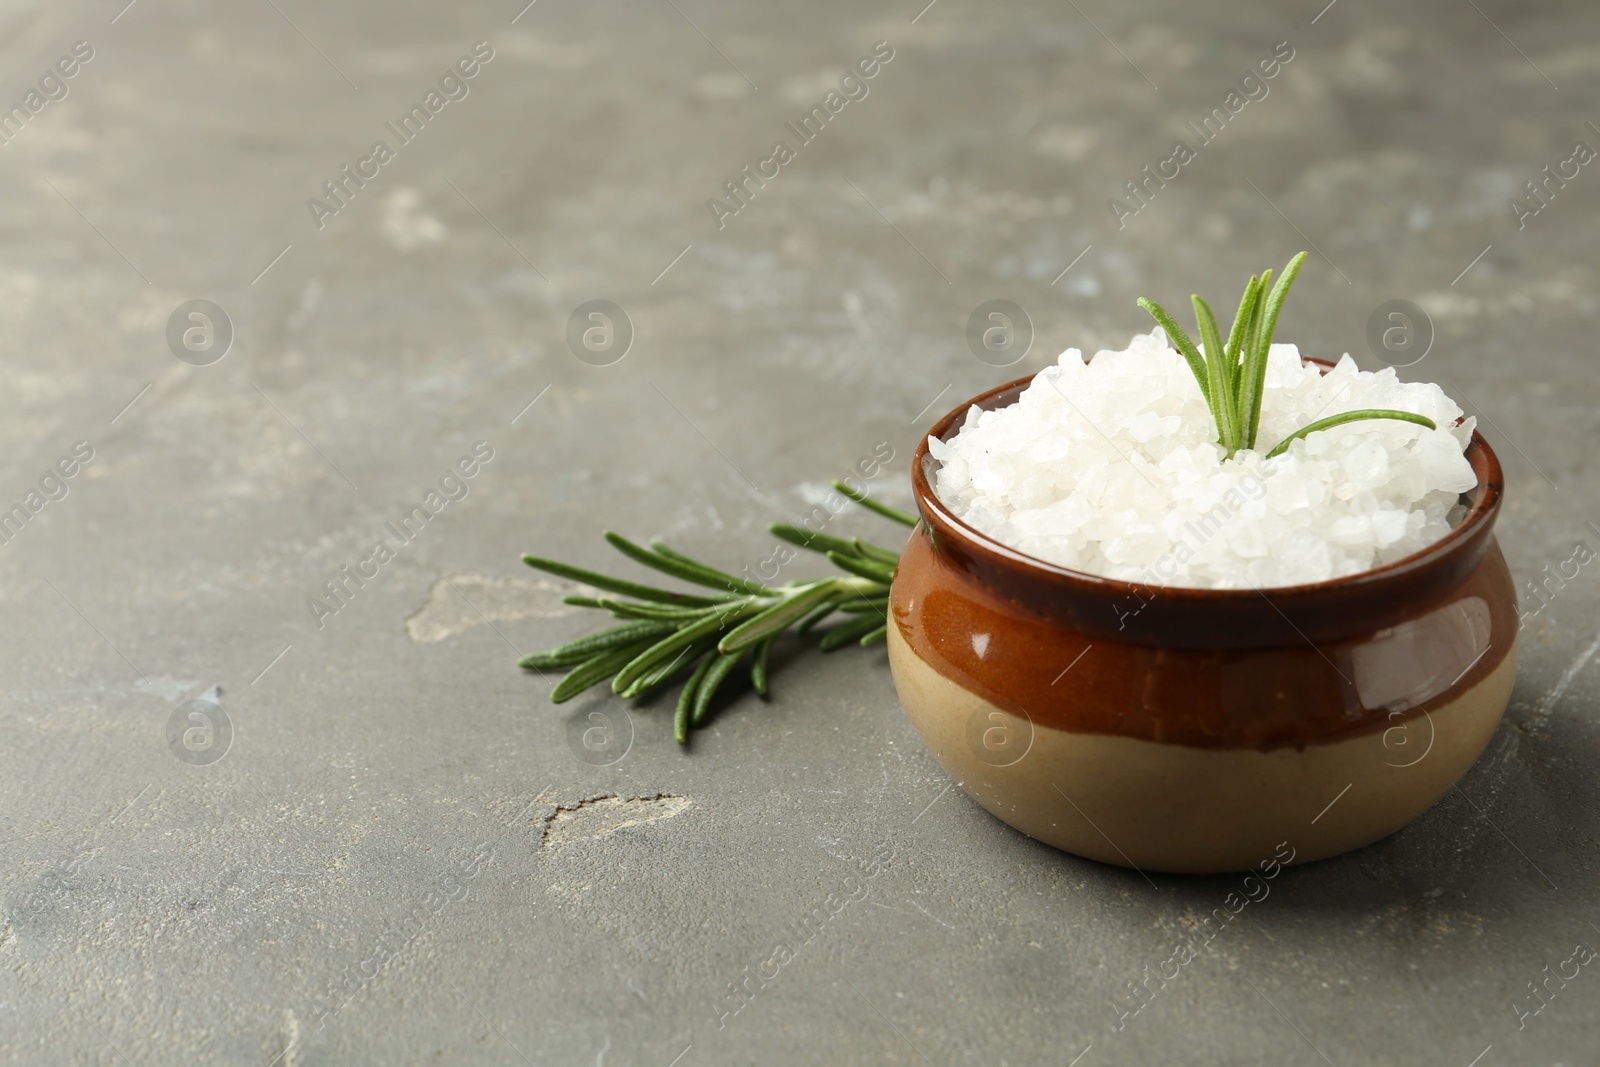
(662, 632)
(1233, 375)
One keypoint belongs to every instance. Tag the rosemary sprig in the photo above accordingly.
(1232, 374)
(664, 633)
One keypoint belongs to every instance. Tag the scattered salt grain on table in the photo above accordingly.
(1112, 467)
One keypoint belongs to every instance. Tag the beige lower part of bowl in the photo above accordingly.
(1165, 807)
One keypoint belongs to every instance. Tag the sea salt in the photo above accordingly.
(1111, 466)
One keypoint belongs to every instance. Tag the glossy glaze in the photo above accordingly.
(1159, 705)
(1168, 807)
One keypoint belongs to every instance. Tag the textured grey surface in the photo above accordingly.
(377, 870)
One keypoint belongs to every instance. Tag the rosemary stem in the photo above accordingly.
(666, 633)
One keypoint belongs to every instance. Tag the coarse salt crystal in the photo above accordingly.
(1111, 467)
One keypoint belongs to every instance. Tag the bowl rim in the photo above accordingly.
(934, 512)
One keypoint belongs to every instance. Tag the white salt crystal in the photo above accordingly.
(1112, 467)
(1388, 526)
(1367, 464)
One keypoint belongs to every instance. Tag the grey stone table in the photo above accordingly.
(404, 855)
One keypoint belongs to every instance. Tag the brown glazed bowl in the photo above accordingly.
(1198, 730)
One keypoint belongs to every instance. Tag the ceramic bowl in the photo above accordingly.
(1197, 730)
